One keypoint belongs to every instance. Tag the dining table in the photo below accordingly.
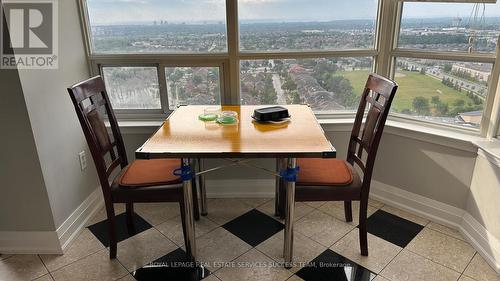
(183, 135)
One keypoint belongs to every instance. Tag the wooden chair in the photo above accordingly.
(140, 181)
(338, 180)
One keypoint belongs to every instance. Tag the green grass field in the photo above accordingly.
(411, 85)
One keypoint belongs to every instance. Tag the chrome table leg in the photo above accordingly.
(187, 177)
(203, 190)
(277, 188)
(290, 177)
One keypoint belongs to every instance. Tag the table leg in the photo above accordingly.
(290, 206)
(188, 211)
(203, 190)
(277, 188)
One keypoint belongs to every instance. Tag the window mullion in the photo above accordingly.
(491, 115)
(386, 32)
(233, 95)
(162, 81)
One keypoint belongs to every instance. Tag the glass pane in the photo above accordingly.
(327, 84)
(307, 24)
(193, 85)
(450, 26)
(132, 87)
(157, 26)
(442, 91)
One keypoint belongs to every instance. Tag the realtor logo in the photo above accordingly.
(28, 34)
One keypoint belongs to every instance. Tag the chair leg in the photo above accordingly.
(203, 188)
(111, 230)
(348, 211)
(363, 234)
(196, 213)
(129, 215)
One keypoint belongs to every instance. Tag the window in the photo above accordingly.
(132, 87)
(192, 85)
(449, 92)
(446, 91)
(307, 25)
(326, 84)
(157, 26)
(156, 55)
(464, 27)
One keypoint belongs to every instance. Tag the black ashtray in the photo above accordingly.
(267, 114)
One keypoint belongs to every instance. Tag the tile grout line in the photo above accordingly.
(400, 251)
(463, 273)
(433, 261)
(48, 272)
(435, 230)
(234, 258)
(442, 232)
(79, 259)
(475, 252)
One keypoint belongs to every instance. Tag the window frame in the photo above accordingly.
(394, 51)
(384, 53)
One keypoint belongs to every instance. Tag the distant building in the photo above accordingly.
(479, 71)
(472, 117)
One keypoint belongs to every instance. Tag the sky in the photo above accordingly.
(175, 11)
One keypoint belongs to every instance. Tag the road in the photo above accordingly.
(281, 99)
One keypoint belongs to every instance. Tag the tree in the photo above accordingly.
(343, 90)
(442, 108)
(269, 94)
(422, 71)
(447, 67)
(435, 100)
(421, 105)
(295, 97)
(289, 85)
(197, 79)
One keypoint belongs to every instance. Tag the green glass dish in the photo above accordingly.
(207, 117)
(227, 120)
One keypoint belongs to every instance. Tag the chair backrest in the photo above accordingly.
(91, 102)
(377, 98)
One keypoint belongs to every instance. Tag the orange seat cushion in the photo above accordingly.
(150, 172)
(317, 171)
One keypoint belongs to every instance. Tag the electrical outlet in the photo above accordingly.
(83, 160)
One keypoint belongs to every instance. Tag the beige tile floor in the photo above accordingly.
(436, 253)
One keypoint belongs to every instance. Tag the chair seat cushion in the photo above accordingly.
(317, 171)
(150, 173)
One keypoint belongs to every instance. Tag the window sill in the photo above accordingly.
(489, 149)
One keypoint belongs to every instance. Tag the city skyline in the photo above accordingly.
(110, 12)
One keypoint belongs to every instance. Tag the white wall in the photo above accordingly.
(58, 135)
(484, 198)
(24, 203)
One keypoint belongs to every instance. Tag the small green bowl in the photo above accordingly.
(207, 117)
(227, 120)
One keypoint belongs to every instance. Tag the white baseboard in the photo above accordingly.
(482, 240)
(52, 242)
(72, 226)
(29, 242)
(487, 245)
(425, 207)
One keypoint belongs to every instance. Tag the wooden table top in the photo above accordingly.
(182, 135)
